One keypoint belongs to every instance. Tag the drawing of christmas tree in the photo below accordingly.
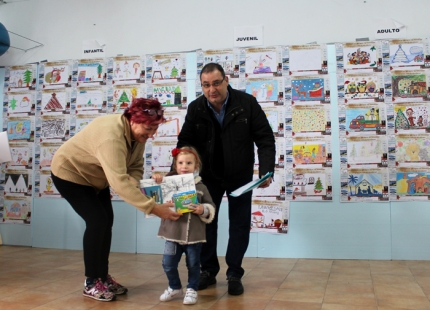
(53, 103)
(400, 55)
(401, 120)
(99, 70)
(354, 151)
(318, 186)
(124, 100)
(13, 104)
(174, 72)
(27, 77)
(378, 148)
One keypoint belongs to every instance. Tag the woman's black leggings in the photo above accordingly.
(96, 210)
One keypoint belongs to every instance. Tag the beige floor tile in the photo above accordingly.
(33, 298)
(4, 305)
(392, 279)
(327, 306)
(240, 302)
(347, 287)
(403, 302)
(407, 289)
(351, 299)
(313, 295)
(292, 305)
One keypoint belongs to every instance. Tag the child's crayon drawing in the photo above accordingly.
(263, 90)
(16, 208)
(126, 69)
(53, 101)
(169, 95)
(413, 148)
(411, 117)
(16, 182)
(20, 102)
(361, 87)
(409, 85)
(309, 184)
(261, 62)
(56, 74)
(19, 129)
(364, 151)
(365, 184)
(308, 89)
(359, 57)
(363, 119)
(412, 183)
(406, 54)
(309, 153)
(309, 120)
(87, 99)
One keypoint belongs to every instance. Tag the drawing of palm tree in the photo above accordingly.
(352, 180)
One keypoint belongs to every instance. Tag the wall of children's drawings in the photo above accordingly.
(383, 95)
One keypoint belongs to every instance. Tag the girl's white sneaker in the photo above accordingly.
(190, 297)
(169, 294)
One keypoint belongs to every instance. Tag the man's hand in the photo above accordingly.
(163, 211)
(266, 183)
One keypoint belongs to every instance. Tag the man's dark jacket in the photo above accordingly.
(228, 153)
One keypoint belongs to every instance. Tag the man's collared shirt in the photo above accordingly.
(219, 116)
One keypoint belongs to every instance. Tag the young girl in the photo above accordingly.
(186, 234)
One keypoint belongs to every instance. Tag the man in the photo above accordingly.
(223, 126)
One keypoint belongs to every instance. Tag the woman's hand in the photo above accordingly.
(165, 212)
(197, 208)
(158, 178)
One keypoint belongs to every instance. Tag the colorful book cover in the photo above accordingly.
(154, 192)
(183, 200)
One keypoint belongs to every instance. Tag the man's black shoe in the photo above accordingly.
(235, 286)
(205, 280)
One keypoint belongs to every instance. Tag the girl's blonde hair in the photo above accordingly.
(186, 150)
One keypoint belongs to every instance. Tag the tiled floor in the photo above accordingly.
(43, 279)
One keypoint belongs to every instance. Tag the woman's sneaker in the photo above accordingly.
(98, 291)
(169, 294)
(114, 286)
(190, 297)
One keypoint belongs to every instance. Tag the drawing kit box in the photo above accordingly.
(183, 200)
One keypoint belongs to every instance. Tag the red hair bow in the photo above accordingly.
(175, 152)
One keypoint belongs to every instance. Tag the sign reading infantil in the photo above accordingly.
(93, 49)
(248, 36)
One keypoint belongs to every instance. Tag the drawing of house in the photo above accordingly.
(299, 184)
(417, 88)
(418, 185)
(364, 188)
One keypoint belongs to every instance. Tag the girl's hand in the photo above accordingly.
(197, 208)
(158, 178)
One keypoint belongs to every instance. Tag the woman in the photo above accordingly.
(107, 152)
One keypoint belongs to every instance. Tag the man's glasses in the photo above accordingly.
(153, 113)
(214, 84)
